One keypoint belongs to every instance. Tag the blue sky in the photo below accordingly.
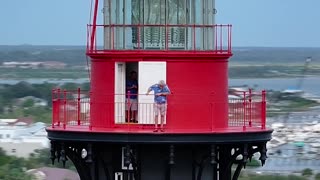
(271, 23)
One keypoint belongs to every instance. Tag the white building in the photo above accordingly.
(20, 137)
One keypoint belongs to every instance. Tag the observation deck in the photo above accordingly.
(71, 113)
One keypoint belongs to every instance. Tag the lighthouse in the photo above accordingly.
(109, 132)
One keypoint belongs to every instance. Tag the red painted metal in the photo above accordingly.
(93, 35)
(75, 112)
(102, 84)
(64, 109)
(153, 55)
(54, 110)
(250, 107)
(78, 107)
(263, 110)
(244, 110)
(70, 108)
(195, 83)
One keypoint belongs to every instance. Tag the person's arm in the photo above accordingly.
(133, 86)
(150, 89)
(128, 87)
(166, 91)
(136, 85)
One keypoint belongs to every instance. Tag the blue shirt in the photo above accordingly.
(133, 91)
(159, 99)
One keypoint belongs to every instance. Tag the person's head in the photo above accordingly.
(133, 75)
(162, 83)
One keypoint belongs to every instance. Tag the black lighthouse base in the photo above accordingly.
(111, 156)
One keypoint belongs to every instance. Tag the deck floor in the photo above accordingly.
(149, 130)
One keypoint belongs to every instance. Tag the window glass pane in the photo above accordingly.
(153, 35)
(176, 11)
(136, 11)
(198, 13)
(152, 11)
(137, 18)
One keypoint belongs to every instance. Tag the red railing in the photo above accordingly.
(248, 111)
(72, 108)
(210, 38)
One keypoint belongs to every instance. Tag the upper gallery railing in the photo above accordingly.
(210, 38)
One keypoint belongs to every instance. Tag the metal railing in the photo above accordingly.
(72, 108)
(248, 111)
(212, 38)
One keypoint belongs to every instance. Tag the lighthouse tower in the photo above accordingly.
(109, 136)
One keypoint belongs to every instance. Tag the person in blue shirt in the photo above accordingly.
(161, 91)
(132, 97)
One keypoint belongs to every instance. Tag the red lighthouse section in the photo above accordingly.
(199, 99)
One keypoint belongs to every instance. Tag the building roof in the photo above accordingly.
(34, 129)
(25, 121)
(57, 173)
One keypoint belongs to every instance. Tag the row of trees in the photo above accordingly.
(67, 54)
(10, 93)
(14, 168)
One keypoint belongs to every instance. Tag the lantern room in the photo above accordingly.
(158, 24)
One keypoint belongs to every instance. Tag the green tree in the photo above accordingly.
(307, 172)
(4, 159)
(273, 177)
(85, 86)
(11, 168)
(13, 174)
(254, 163)
(28, 103)
(70, 86)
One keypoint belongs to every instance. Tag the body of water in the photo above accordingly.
(43, 80)
(291, 160)
(309, 84)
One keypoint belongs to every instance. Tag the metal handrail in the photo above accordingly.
(212, 38)
(72, 108)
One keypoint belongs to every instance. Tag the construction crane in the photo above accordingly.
(297, 89)
(306, 64)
